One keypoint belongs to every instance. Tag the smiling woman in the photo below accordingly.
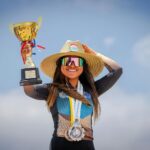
(72, 97)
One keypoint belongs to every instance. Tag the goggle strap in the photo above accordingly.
(81, 61)
(63, 61)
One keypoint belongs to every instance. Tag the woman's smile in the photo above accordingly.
(71, 70)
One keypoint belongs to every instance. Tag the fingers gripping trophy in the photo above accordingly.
(26, 33)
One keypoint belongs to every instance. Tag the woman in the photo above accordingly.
(72, 97)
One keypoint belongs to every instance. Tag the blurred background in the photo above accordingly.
(119, 29)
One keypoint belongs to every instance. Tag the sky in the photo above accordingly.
(116, 28)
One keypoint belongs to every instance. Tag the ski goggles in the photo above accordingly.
(72, 60)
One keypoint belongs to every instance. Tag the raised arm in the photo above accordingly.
(39, 92)
(106, 82)
(115, 71)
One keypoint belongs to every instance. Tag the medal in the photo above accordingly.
(76, 132)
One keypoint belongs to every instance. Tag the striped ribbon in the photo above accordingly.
(75, 106)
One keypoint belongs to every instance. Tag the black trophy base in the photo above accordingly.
(30, 76)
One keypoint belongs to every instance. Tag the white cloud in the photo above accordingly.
(124, 122)
(109, 42)
(25, 123)
(141, 51)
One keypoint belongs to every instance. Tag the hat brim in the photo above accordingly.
(95, 63)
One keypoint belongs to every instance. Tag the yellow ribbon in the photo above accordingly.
(72, 119)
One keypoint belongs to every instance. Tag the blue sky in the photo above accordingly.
(116, 28)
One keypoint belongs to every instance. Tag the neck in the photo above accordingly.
(73, 82)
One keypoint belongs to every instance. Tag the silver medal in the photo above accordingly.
(76, 132)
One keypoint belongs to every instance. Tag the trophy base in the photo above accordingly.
(30, 76)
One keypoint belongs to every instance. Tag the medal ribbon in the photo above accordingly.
(72, 119)
(75, 106)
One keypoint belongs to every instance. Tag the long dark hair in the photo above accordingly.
(86, 79)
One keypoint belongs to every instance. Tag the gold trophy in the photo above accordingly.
(26, 33)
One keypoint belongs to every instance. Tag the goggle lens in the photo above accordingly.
(68, 61)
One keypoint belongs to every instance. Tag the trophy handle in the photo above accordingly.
(11, 28)
(39, 23)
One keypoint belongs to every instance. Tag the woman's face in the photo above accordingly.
(70, 67)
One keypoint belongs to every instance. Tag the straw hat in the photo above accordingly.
(72, 48)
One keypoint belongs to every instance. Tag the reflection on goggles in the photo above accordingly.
(69, 60)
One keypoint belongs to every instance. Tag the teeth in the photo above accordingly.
(71, 70)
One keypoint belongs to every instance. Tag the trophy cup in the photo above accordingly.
(26, 33)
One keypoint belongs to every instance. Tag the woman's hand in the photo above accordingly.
(88, 50)
(91, 51)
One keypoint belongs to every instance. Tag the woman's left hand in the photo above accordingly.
(88, 50)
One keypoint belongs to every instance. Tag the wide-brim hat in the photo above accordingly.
(72, 48)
